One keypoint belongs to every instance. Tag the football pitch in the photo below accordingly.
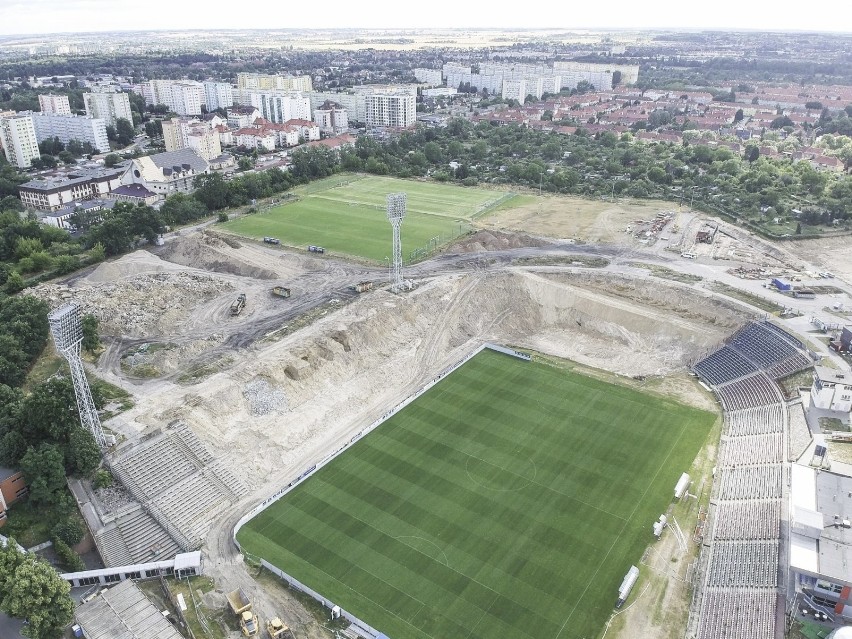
(346, 214)
(509, 500)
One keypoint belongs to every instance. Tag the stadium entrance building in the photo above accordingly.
(821, 537)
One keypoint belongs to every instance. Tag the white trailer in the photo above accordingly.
(627, 585)
(681, 486)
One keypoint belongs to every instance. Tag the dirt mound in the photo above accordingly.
(495, 241)
(139, 305)
(210, 252)
(130, 265)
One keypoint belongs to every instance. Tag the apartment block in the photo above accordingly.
(354, 103)
(514, 90)
(182, 133)
(279, 106)
(429, 76)
(19, 141)
(108, 106)
(265, 82)
(54, 104)
(218, 95)
(390, 110)
(331, 118)
(72, 127)
(184, 97)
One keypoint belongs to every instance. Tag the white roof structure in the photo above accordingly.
(820, 531)
(124, 612)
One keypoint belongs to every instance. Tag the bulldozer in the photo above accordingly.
(277, 629)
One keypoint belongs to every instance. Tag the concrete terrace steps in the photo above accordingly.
(145, 539)
(112, 548)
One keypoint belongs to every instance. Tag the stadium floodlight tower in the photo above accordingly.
(396, 212)
(67, 330)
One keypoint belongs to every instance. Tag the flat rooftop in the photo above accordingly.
(124, 612)
(833, 376)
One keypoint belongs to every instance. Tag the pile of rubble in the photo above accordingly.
(263, 398)
(141, 304)
(113, 498)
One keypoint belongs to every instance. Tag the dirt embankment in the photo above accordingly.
(494, 241)
(209, 252)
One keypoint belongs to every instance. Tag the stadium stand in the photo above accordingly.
(181, 487)
(736, 595)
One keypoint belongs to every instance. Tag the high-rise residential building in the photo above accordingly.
(430, 76)
(184, 97)
(218, 95)
(18, 136)
(54, 104)
(71, 127)
(181, 133)
(264, 82)
(279, 106)
(354, 103)
(515, 90)
(331, 118)
(108, 106)
(390, 110)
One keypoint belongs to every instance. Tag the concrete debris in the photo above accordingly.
(263, 398)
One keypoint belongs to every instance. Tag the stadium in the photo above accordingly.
(488, 449)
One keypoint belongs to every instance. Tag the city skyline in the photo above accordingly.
(86, 16)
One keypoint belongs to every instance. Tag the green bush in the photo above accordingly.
(223, 217)
(67, 557)
(103, 479)
(70, 531)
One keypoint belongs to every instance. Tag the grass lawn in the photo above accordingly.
(346, 214)
(508, 500)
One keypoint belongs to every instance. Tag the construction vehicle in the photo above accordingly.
(281, 291)
(241, 606)
(277, 629)
(238, 304)
(362, 287)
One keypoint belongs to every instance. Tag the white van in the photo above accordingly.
(689, 256)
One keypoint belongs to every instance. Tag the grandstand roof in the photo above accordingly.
(833, 376)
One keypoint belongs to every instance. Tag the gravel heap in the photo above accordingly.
(141, 304)
(263, 398)
(113, 498)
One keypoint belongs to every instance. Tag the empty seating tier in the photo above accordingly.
(724, 365)
(738, 613)
(752, 449)
(747, 392)
(763, 343)
(751, 482)
(744, 563)
(747, 520)
(755, 421)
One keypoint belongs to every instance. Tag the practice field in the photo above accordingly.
(346, 214)
(507, 501)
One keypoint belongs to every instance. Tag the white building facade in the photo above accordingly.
(218, 95)
(331, 118)
(278, 106)
(72, 127)
(18, 136)
(184, 97)
(108, 106)
(390, 110)
(54, 104)
(432, 77)
(832, 390)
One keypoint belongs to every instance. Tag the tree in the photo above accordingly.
(111, 160)
(84, 453)
(616, 78)
(91, 340)
(14, 283)
(211, 190)
(738, 116)
(44, 469)
(799, 228)
(124, 131)
(31, 589)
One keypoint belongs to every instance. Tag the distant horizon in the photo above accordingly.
(43, 18)
(43, 34)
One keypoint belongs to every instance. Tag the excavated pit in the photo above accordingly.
(343, 371)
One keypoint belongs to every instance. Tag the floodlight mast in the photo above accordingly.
(67, 330)
(396, 213)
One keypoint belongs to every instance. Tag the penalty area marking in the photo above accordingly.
(402, 538)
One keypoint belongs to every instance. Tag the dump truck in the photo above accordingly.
(277, 629)
(281, 291)
(238, 304)
(241, 606)
(362, 287)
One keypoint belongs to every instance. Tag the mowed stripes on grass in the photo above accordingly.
(345, 214)
(508, 500)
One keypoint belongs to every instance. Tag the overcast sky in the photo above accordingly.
(54, 16)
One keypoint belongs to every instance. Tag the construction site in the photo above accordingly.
(239, 387)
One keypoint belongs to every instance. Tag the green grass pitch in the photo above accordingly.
(507, 501)
(345, 214)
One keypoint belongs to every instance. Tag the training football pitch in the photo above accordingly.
(509, 500)
(346, 214)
